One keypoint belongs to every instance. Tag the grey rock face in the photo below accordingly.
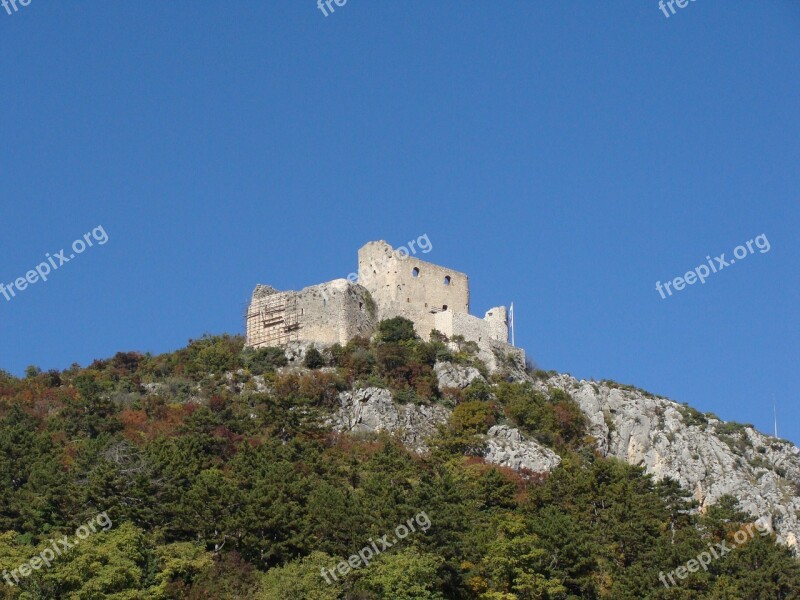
(707, 456)
(372, 410)
(154, 388)
(260, 384)
(296, 352)
(499, 357)
(451, 375)
(507, 447)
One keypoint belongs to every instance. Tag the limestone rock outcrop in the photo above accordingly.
(707, 456)
(507, 447)
(373, 410)
(451, 375)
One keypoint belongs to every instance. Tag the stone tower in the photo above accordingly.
(405, 286)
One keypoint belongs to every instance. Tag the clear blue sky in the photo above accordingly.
(566, 155)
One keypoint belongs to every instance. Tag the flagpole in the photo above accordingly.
(512, 324)
(775, 415)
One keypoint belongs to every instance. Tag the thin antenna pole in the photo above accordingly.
(512, 324)
(775, 414)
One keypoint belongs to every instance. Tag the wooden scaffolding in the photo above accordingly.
(274, 322)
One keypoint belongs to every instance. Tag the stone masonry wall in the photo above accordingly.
(490, 333)
(329, 313)
(335, 312)
(410, 287)
(492, 327)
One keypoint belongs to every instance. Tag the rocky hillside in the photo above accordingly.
(225, 472)
(710, 457)
(707, 456)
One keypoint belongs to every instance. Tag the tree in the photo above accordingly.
(263, 360)
(313, 358)
(404, 575)
(92, 412)
(398, 329)
(516, 566)
(108, 564)
(303, 578)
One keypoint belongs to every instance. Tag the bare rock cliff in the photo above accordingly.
(708, 456)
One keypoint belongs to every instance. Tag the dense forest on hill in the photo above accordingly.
(217, 477)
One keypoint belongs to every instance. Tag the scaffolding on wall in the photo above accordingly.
(274, 322)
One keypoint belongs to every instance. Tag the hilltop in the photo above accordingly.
(234, 472)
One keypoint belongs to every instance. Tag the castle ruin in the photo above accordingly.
(390, 284)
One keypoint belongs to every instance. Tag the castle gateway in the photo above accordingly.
(390, 284)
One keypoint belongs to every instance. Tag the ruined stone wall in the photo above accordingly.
(335, 312)
(267, 323)
(409, 287)
(493, 326)
(490, 333)
(329, 313)
(390, 285)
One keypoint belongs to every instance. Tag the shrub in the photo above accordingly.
(478, 390)
(209, 354)
(730, 428)
(336, 353)
(392, 358)
(444, 355)
(372, 308)
(555, 419)
(406, 396)
(398, 329)
(313, 359)
(692, 416)
(357, 361)
(438, 336)
(321, 389)
(263, 360)
(474, 416)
